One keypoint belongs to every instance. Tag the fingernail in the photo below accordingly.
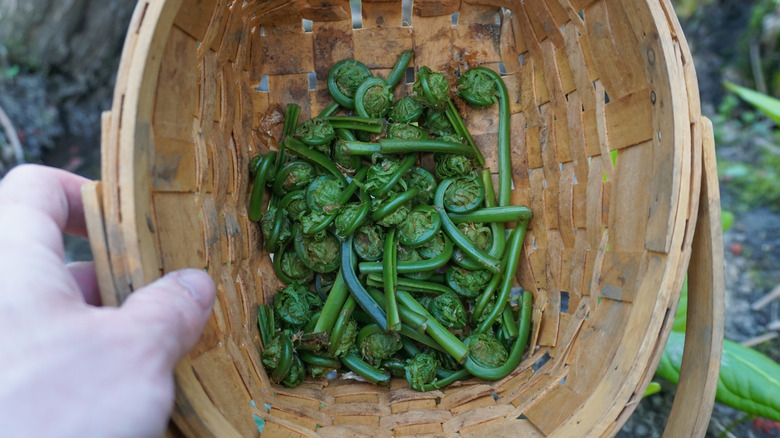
(198, 284)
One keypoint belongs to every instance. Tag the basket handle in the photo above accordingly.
(698, 381)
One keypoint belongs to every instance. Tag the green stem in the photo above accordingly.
(498, 232)
(393, 204)
(273, 240)
(292, 196)
(492, 214)
(395, 365)
(389, 146)
(362, 215)
(256, 199)
(329, 110)
(405, 165)
(358, 291)
(438, 332)
(485, 260)
(285, 360)
(508, 322)
(341, 323)
(300, 149)
(278, 265)
(460, 129)
(357, 123)
(441, 383)
(265, 321)
(523, 329)
(409, 267)
(330, 310)
(320, 361)
(512, 255)
(291, 114)
(390, 275)
(309, 327)
(410, 285)
(347, 135)
(487, 294)
(368, 372)
(354, 184)
(426, 340)
(408, 318)
(399, 69)
(504, 147)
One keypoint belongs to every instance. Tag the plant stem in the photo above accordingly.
(441, 383)
(492, 214)
(460, 129)
(256, 199)
(388, 146)
(504, 148)
(320, 361)
(358, 291)
(399, 69)
(390, 275)
(410, 319)
(512, 256)
(410, 285)
(523, 329)
(395, 203)
(357, 123)
(485, 260)
(410, 267)
(300, 149)
(405, 165)
(364, 370)
(329, 110)
(341, 323)
(330, 310)
(438, 332)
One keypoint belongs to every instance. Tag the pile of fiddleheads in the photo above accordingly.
(392, 269)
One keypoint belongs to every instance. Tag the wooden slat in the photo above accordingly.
(93, 215)
(701, 360)
(179, 231)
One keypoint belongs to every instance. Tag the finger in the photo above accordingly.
(174, 309)
(36, 205)
(53, 192)
(86, 279)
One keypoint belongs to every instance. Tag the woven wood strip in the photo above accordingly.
(214, 77)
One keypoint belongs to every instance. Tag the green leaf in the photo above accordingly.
(727, 219)
(767, 104)
(652, 388)
(748, 380)
(681, 317)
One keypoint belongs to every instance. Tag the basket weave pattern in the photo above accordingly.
(605, 252)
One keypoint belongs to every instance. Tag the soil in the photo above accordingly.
(64, 132)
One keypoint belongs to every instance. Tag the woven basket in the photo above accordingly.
(199, 92)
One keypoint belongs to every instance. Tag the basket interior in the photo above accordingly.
(601, 152)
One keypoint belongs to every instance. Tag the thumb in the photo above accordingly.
(174, 309)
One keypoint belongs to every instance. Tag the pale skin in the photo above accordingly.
(68, 367)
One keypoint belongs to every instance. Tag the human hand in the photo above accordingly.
(68, 367)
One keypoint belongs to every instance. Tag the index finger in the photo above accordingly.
(55, 193)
